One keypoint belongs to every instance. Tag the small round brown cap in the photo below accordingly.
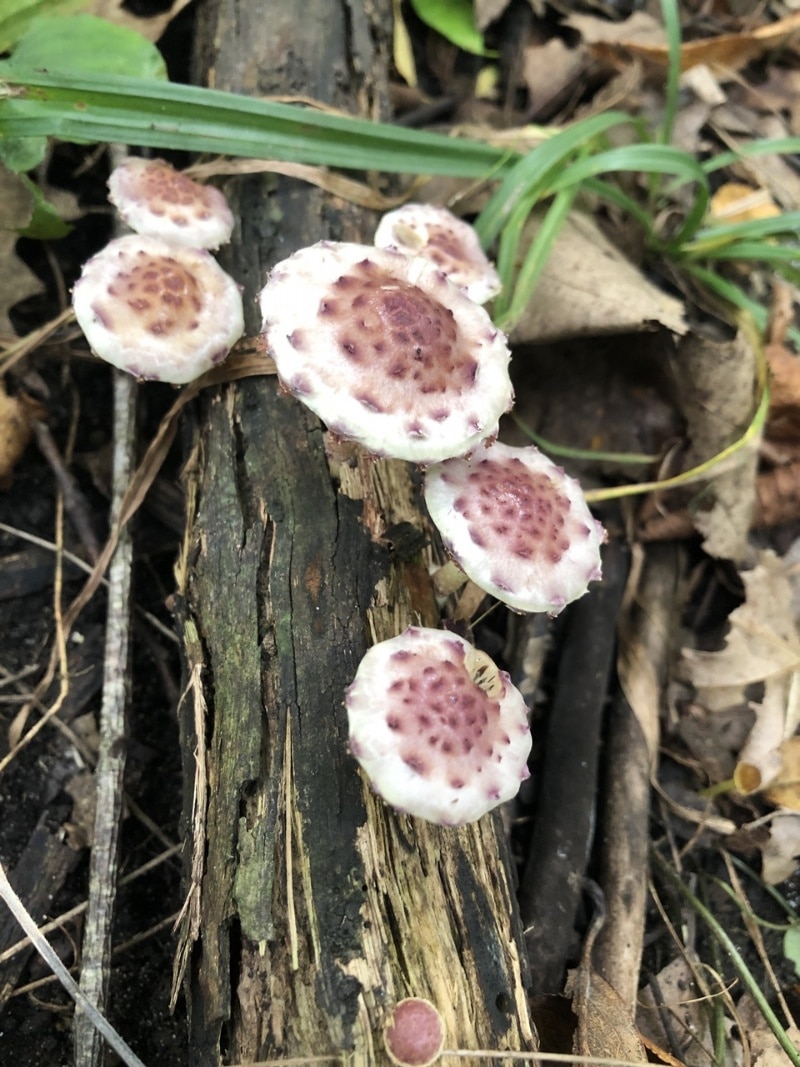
(157, 310)
(386, 350)
(154, 198)
(414, 1033)
(440, 732)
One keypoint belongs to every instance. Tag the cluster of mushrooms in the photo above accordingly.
(391, 347)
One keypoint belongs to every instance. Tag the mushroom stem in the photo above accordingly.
(448, 578)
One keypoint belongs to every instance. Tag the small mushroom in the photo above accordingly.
(386, 351)
(440, 236)
(155, 199)
(440, 732)
(517, 525)
(157, 310)
(414, 1033)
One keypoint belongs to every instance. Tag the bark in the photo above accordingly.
(312, 908)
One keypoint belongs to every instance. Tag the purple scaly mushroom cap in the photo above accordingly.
(386, 351)
(157, 310)
(517, 525)
(440, 236)
(440, 732)
(154, 198)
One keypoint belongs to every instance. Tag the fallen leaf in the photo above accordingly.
(17, 282)
(680, 999)
(725, 54)
(16, 413)
(716, 393)
(784, 790)
(605, 1027)
(549, 70)
(589, 288)
(762, 641)
(735, 202)
(779, 853)
(764, 1048)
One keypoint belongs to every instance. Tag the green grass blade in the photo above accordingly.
(739, 964)
(769, 146)
(616, 196)
(706, 242)
(535, 170)
(761, 251)
(648, 159)
(672, 25)
(166, 115)
(537, 256)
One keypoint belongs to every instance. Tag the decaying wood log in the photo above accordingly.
(312, 908)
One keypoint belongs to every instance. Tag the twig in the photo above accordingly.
(110, 770)
(43, 947)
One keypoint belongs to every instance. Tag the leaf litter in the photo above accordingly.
(600, 300)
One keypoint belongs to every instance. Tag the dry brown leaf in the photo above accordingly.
(681, 1001)
(779, 853)
(784, 790)
(16, 415)
(605, 1027)
(337, 184)
(641, 28)
(783, 421)
(736, 127)
(762, 642)
(724, 54)
(16, 281)
(588, 287)
(764, 1048)
(150, 27)
(736, 202)
(716, 386)
(549, 69)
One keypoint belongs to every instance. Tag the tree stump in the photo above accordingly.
(312, 908)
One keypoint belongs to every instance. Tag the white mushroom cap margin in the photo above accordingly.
(440, 732)
(517, 525)
(157, 310)
(440, 236)
(386, 351)
(155, 199)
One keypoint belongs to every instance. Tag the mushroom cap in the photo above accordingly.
(154, 198)
(414, 1033)
(386, 351)
(446, 240)
(440, 732)
(517, 525)
(157, 310)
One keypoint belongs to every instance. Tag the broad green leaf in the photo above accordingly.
(17, 15)
(791, 947)
(455, 20)
(45, 222)
(22, 153)
(86, 44)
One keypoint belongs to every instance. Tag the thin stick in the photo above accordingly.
(96, 957)
(43, 947)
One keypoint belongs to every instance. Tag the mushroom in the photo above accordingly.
(440, 732)
(386, 351)
(517, 525)
(157, 310)
(155, 199)
(452, 244)
(414, 1033)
